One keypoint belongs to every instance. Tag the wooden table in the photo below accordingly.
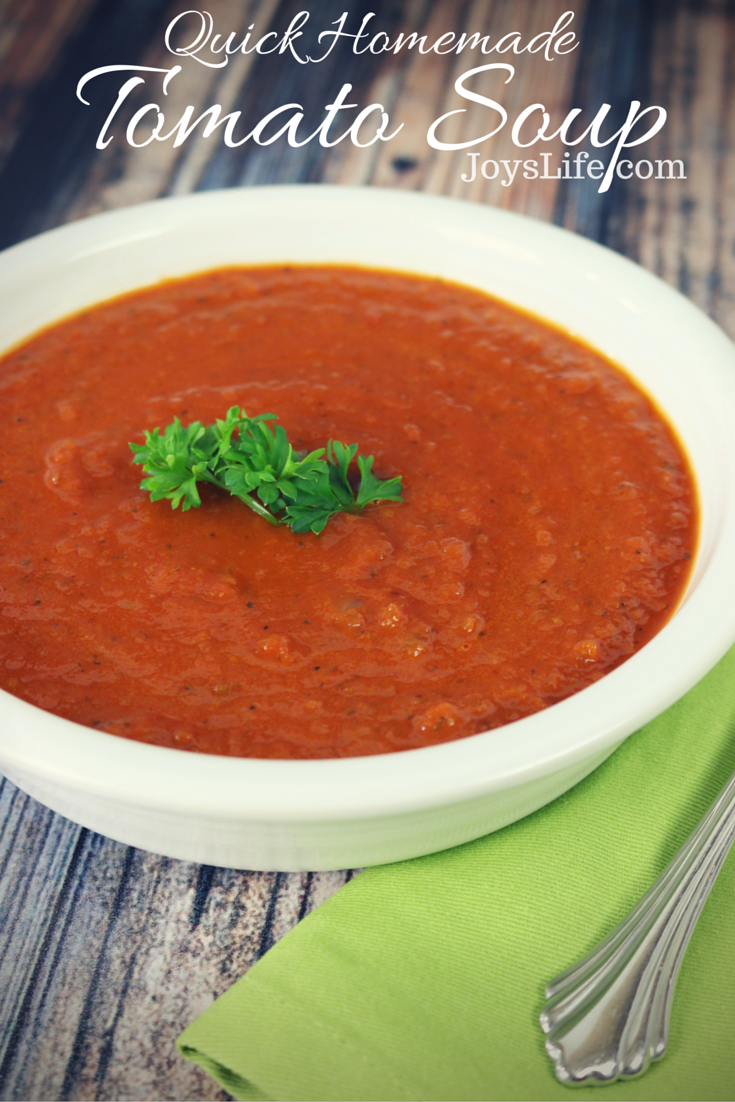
(107, 952)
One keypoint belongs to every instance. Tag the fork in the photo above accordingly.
(607, 1017)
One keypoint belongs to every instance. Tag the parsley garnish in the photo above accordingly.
(252, 458)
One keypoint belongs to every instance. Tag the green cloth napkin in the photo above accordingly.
(424, 980)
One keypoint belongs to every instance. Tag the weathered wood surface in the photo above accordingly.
(107, 952)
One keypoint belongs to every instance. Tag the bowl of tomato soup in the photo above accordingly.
(213, 687)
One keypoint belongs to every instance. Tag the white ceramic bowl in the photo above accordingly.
(350, 812)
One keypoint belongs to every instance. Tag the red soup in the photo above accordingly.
(548, 519)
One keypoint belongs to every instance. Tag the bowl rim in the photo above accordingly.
(60, 751)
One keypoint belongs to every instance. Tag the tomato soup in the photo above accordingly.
(546, 532)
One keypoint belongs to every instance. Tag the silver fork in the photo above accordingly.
(607, 1017)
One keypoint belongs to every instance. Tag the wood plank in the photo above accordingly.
(614, 69)
(31, 838)
(108, 952)
(33, 37)
(687, 227)
(123, 175)
(275, 81)
(536, 81)
(410, 86)
(54, 152)
(423, 90)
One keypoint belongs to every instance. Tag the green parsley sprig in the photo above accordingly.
(252, 459)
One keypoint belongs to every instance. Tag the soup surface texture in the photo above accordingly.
(548, 518)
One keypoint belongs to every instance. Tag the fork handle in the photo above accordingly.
(607, 1017)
